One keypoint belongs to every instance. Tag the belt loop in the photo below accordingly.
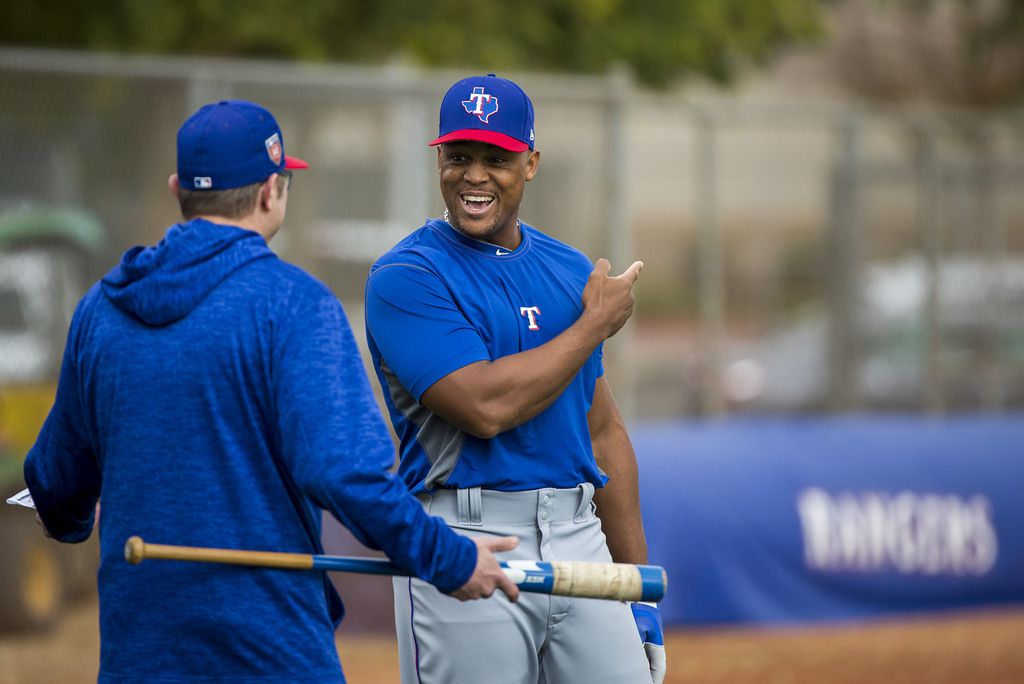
(470, 506)
(476, 506)
(462, 498)
(586, 496)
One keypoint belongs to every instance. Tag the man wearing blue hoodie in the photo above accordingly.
(213, 395)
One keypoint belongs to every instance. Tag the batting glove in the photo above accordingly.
(648, 621)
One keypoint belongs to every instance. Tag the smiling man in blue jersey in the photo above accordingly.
(486, 336)
(213, 395)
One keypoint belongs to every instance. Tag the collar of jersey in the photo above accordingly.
(485, 248)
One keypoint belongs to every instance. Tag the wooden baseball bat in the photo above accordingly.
(614, 581)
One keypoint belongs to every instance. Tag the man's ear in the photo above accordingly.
(173, 185)
(532, 162)
(267, 192)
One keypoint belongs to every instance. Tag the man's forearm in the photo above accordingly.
(618, 506)
(618, 502)
(490, 397)
(487, 398)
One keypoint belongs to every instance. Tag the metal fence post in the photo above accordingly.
(710, 271)
(620, 229)
(928, 197)
(993, 231)
(408, 200)
(844, 264)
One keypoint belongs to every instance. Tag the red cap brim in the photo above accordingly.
(503, 141)
(294, 163)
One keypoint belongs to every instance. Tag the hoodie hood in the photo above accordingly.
(164, 283)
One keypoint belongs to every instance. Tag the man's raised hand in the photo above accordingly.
(608, 300)
(632, 273)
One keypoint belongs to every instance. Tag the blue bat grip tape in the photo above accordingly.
(652, 580)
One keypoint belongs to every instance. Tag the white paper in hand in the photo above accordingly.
(22, 498)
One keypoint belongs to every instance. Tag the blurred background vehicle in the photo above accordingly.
(979, 323)
(43, 252)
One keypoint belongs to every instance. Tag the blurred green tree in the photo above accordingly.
(966, 52)
(662, 40)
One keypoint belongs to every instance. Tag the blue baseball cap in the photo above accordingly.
(488, 109)
(229, 144)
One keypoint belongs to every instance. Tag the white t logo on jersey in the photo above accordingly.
(531, 313)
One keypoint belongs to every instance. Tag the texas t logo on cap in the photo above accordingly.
(509, 126)
(481, 104)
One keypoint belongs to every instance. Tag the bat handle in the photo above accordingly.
(134, 550)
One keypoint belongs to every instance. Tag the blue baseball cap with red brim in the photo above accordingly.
(487, 109)
(229, 144)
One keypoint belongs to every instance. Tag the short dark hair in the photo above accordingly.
(232, 203)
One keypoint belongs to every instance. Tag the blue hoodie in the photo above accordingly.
(213, 395)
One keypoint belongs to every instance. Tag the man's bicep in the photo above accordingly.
(421, 334)
(321, 395)
(454, 396)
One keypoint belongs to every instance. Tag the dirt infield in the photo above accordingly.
(980, 648)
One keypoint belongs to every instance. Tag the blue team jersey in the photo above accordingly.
(439, 301)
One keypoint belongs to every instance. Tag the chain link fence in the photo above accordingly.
(829, 257)
(798, 257)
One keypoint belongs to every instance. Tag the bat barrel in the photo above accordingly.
(614, 581)
(653, 583)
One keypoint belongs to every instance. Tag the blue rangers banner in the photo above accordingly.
(791, 520)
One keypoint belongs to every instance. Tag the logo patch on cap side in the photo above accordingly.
(481, 104)
(273, 144)
(202, 182)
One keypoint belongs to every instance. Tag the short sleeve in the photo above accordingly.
(421, 333)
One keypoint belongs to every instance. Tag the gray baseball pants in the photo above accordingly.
(541, 639)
